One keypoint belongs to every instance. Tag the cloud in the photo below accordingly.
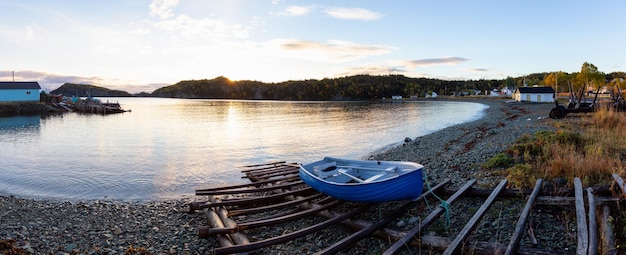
(50, 81)
(298, 10)
(352, 13)
(372, 70)
(162, 8)
(339, 49)
(434, 61)
(478, 70)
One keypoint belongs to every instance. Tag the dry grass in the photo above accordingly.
(591, 147)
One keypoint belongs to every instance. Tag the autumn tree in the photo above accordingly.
(590, 76)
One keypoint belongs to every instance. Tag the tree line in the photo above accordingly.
(360, 87)
(363, 87)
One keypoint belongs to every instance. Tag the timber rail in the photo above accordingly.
(261, 215)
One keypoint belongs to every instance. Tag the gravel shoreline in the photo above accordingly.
(166, 227)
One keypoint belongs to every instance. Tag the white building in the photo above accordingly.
(534, 94)
(19, 91)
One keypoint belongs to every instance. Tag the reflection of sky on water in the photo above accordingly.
(19, 122)
(166, 148)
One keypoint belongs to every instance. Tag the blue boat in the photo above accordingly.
(364, 180)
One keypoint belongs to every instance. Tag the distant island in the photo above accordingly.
(84, 90)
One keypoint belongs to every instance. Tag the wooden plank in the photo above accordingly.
(237, 238)
(205, 231)
(267, 170)
(274, 206)
(593, 224)
(215, 221)
(608, 241)
(620, 183)
(264, 164)
(254, 200)
(570, 201)
(401, 242)
(266, 176)
(581, 218)
(473, 222)
(249, 185)
(518, 233)
(249, 190)
(287, 237)
(345, 242)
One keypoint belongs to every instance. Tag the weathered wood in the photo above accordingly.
(523, 219)
(454, 246)
(287, 237)
(620, 183)
(274, 206)
(581, 219)
(482, 248)
(249, 190)
(402, 241)
(345, 242)
(562, 192)
(267, 170)
(249, 185)
(215, 221)
(593, 224)
(247, 201)
(205, 231)
(237, 238)
(264, 164)
(608, 242)
(570, 201)
(266, 176)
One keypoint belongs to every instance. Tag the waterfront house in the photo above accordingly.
(19, 91)
(534, 94)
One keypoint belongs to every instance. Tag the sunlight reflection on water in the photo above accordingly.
(166, 148)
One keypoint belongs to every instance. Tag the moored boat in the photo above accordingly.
(364, 180)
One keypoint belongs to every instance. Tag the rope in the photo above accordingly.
(445, 205)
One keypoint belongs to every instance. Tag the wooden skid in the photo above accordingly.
(277, 196)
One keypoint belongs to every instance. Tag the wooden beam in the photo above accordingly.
(593, 223)
(473, 222)
(252, 200)
(620, 183)
(293, 235)
(249, 185)
(345, 242)
(400, 243)
(608, 241)
(581, 219)
(518, 233)
(249, 190)
(298, 200)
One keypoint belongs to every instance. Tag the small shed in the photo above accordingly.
(19, 91)
(534, 94)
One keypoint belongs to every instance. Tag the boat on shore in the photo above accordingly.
(364, 180)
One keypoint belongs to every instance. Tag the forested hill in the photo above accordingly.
(82, 90)
(346, 88)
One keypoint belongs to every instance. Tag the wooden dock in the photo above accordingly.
(276, 196)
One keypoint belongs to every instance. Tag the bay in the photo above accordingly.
(167, 148)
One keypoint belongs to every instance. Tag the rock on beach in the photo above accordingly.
(166, 227)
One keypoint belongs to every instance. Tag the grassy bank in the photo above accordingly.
(588, 146)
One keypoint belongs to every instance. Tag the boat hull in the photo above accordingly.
(406, 183)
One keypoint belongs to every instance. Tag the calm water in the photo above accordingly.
(167, 148)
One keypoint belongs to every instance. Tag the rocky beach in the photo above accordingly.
(167, 227)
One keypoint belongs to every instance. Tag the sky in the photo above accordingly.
(142, 45)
